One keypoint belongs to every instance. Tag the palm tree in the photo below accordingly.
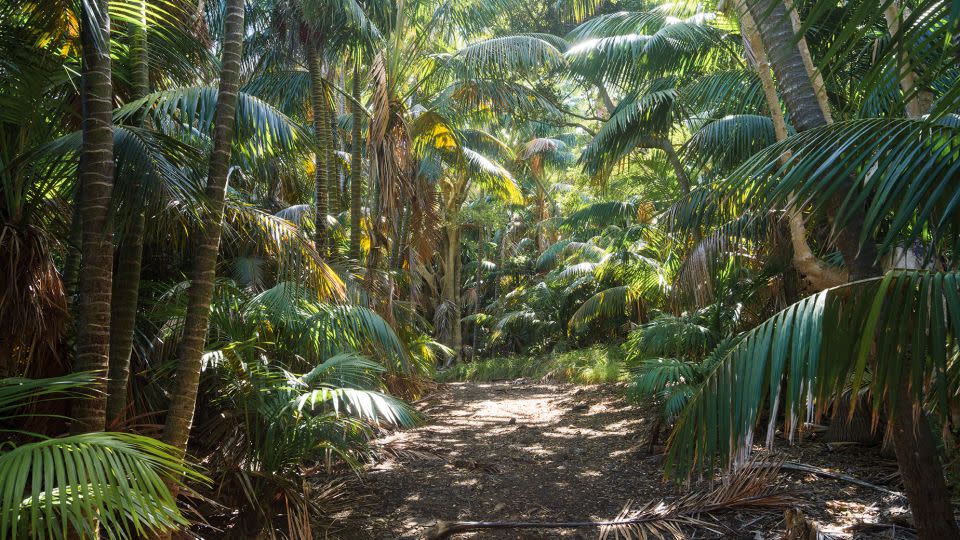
(356, 162)
(95, 188)
(126, 284)
(203, 270)
(917, 455)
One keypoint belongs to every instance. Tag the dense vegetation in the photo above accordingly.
(237, 237)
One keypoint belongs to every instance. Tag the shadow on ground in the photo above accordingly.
(531, 451)
(512, 450)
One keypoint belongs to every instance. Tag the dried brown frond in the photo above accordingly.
(751, 486)
(407, 386)
(33, 305)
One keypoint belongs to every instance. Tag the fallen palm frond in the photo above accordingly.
(751, 486)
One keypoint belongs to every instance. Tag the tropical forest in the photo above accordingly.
(453, 269)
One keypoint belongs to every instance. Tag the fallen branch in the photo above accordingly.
(447, 529)
(803, 467)
(659, 519)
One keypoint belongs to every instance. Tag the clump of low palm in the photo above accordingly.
(672, 355)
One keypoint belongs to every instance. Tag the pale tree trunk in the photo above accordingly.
(918, 460)
(918, 101)
(806, 111)
(324, 157)
(336, 176)
(356, 163)
(450, 291)
(183, 400)
(126, 285)
(96, 187)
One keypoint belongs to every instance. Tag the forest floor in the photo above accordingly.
(534, 451)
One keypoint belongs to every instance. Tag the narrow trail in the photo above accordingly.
(533, 451)
(511, 450)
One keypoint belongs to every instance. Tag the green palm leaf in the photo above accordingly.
(904, 171)
(808, 354)
(58, 487)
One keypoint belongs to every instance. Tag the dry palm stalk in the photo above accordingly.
(803, 467)
(752, 486)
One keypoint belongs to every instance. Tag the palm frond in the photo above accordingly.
(59, 487)
(897, 327)
(903, 171)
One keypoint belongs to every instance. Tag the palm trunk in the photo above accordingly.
(373, 258)
(916, 450)
(336, 174)
(324, 157)
(450, 290)
(203, 270)
(918, 101)
(401, 238)
(819, 274)
(96, 187)
(126, 285)
(123, 315)
(356, 177)
(804, 107)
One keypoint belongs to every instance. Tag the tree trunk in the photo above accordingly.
(819, 274)
(918, 462)
(921, 472)
(450, 290)
(126, 285)
(356, 164)
(396, 262)
(323, 158)
(123, 315)
(96, 187)
(682, 178)
(804, 107)
(918, 101)
(335, 186)
(203, 271)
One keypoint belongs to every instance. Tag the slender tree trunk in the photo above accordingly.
(450, 290)
(926, 490)
(373, 258)
(336, 174)
(401, 239)
(918, 101)
(323, 160)
(126, 293)
(203, 271)
(96, 187)
(356, 163)
(126, 285)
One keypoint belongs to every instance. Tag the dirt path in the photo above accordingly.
(533, 451)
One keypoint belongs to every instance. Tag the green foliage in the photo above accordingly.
(66, 486)
(592, 365)
(894, 328)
